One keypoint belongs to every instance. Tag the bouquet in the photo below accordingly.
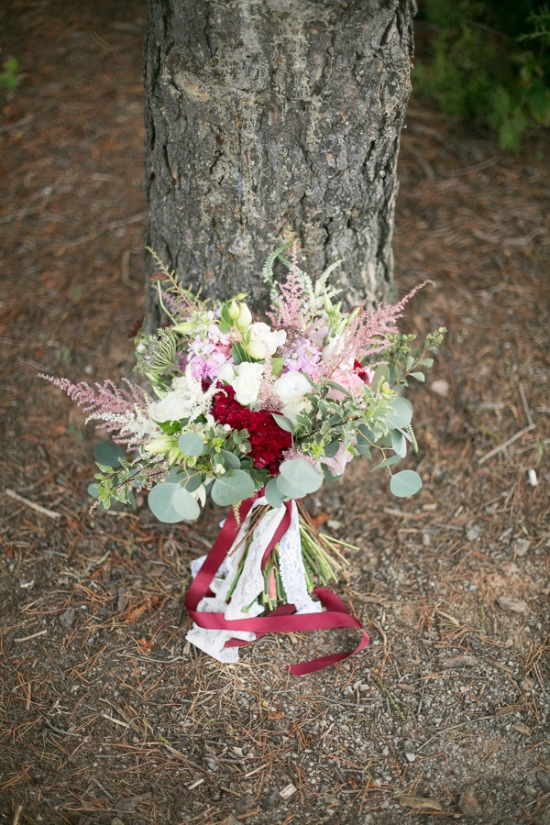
(258, 414)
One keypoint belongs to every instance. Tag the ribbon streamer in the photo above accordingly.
(281, 620)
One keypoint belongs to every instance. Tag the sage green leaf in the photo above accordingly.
(332, 449)
(109, 454)
(393, 459)
(171, 503)
(401, 413)
(299, 478)
(233, 487)
(231, 459)
(406, 483)
(398, 443)
(381, 373)
(93, 490)
(419, 376)
(273, 494)
(283, 422)
(191, 444)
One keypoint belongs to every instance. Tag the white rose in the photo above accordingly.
(291, 389)
(264, 341)
(172, 407)
(247, 382)
(226, 373)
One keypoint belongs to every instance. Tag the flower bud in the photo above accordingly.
(233, 310)
(162, 444)
(245, 318)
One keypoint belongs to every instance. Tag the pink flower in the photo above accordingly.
(337, 464)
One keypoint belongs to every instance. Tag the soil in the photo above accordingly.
(106, 713)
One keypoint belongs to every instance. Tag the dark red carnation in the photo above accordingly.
(268, 441)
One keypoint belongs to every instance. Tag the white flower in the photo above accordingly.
(186, 400)
(247, 382)
(264, 341)
(291, 389)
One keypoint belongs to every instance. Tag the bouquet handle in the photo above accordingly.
(283, 619)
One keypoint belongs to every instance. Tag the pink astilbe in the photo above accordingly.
(291, 309)
(367, 334)
(123, 411)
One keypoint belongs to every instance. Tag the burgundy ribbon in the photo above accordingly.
(283, 619)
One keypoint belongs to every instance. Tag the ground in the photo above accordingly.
(106, 714)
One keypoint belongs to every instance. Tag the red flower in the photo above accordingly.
(268, 441)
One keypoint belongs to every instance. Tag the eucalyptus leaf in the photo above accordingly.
(401, 414)
(272, 493)
(298, 478)
(231, 458)
(427, 362)
(363, 448)
(93, 490)
(283, 422)
(172, 503)
(191, 444)
(393, 459)
(406, 483)
(233, 487)
(398, 443)
(419, 376)
(109, 454)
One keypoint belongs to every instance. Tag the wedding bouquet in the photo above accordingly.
(258, 414)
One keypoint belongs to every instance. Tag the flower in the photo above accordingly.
(337, 464)
(246, 379)
(185, 401)
(264, 341)
(291, 387)
(268, 442)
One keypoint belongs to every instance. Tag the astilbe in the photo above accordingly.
(123, 411)
(292, 306)
(367, 334)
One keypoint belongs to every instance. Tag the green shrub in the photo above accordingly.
(489, 62)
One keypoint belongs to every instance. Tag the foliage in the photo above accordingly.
(491, 62)
(10, 77)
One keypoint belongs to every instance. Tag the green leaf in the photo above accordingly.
(191, 444)
(393, 459)
(398, 443)
(273, 494)
(419, 376)
(109, 454)
(298, 478)
(427, 362)
(283, 422)
(93, 490)
(381, 373)
(233, 487)
(339, 387)
(406, 483)
(233, 460)
(171, 503)
(332, 449)
(363, 448)
(401, 413)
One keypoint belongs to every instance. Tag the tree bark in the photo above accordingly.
(267, 119)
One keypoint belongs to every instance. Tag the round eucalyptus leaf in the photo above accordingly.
(272, 493)
(300, 475)
(332, 449)
(231, 458)
(171, 503)
(401, 413)
(406, 483)
(109, 454)
(191, 444)
(93, 490)
(234, 486)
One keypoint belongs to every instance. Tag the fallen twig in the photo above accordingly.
(38, 507)
(505, 444)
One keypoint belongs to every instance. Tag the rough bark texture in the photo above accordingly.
(267, 118)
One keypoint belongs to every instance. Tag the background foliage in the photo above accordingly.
(489, 61)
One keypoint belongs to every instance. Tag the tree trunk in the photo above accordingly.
(268, 119)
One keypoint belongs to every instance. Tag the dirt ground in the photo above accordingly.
(106, 714)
